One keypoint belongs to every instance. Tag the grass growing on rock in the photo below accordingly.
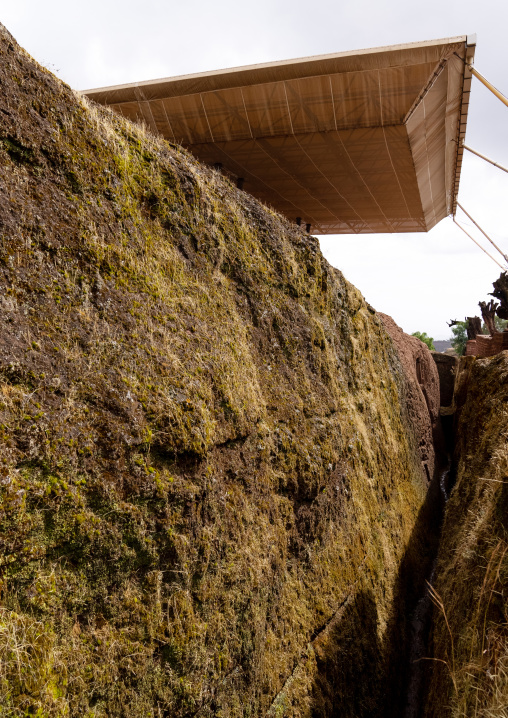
(204, 451)
(470, 636)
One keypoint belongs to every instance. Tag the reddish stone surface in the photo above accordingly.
(447, 366)
(487, 346)
(471, 348)
(422, 392)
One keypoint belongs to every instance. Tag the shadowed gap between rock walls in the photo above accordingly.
(358, 676)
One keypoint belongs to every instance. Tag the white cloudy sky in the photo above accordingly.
(422, 280)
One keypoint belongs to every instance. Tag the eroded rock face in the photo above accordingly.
(209, 482)
(447, 367)
(423, 393)
(469, 645)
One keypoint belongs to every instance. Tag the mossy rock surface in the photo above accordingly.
(469, 673)
(209, 485)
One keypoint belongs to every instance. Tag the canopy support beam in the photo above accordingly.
(483, 80)
(487, 159)
(478, 244)
(489, 85)
(483, 232)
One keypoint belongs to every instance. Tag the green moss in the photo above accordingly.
(204, 449)
(470, 634)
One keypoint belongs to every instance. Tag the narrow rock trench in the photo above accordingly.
(418, 650)
(429, 386)
(420, 625)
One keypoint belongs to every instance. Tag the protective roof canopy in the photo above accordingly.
(365, 141)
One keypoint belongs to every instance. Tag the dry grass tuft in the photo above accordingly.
(471, 629)
(203, 449)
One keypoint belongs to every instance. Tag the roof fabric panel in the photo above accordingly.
(350, 170)
(431, 51)
(226, 113)
(310, 104)
(188, 118)
(399, 88)
(268, 109)
(431, 130)
(356, 99)
(352, 142)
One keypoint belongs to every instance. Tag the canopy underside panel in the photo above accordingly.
(351, 171)
(432, 131)
(315, 104)
(350, 143)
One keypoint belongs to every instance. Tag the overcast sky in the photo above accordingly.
(422, 280)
